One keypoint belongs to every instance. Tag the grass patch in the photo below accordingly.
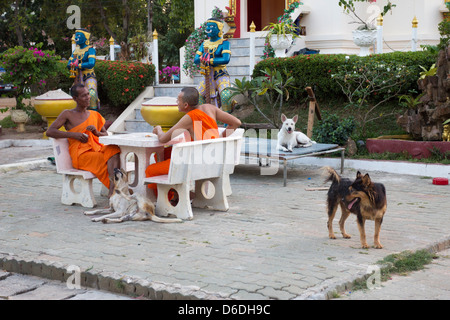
(35, 119)
(7, 122)
(400, 264)
(405, 262)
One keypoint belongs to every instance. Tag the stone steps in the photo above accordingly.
(238, 68)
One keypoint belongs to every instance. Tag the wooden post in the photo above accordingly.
(313, 111)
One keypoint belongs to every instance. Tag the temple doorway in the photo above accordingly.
(263, 12)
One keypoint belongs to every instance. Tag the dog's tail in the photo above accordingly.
(330, 175)
(155, 218)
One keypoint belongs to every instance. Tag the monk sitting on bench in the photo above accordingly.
(83, 129)
(199, 123)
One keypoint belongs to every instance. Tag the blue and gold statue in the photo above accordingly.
(213, 56)
(81, 65)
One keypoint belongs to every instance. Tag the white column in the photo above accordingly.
(155, 60)
(111, 49)
(74, 45)
(380, 34)
(252, 48)
(415, 22)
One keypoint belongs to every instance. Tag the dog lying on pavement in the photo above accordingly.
(362, 197)
(288, 138)
(124, 206)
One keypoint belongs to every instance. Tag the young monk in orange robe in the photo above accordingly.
(199, 123)
(92, 155)
(83, 129)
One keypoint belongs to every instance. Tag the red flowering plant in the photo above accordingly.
(349, 8)
(120, 82)
(29, 69)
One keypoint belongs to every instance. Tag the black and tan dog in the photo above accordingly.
(362, 197)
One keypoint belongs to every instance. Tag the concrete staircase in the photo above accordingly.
(239, 67)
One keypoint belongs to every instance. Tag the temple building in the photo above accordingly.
(327, 28)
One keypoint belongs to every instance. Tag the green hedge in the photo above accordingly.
(120, 82)
(316, 70)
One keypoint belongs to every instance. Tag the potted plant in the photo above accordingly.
(364, 36)
(28, 69)
(281, 35)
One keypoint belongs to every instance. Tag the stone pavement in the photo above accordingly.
(271, 244)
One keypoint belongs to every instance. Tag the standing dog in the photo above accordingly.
(362, 197)
(124, 206)
(288, 138)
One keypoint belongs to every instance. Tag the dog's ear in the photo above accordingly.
(283, 117)
(358, 175)
(295, 118)
(366, 180)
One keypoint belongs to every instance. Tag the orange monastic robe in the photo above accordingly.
(92, 156)
(205, 127)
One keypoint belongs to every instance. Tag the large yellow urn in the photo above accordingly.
(161, 111)
(51, 104)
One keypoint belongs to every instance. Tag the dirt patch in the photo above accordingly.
(31, 132)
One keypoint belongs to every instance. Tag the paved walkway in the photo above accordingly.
(271, 244)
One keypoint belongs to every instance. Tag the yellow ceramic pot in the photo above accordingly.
(161, 111)
(51, 104)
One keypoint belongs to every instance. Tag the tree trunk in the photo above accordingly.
(17, 28)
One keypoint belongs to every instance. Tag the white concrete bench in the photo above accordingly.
(199, 161)
(77, 185)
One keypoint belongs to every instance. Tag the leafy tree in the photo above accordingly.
(26, 22)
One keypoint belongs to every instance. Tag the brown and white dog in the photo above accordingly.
(125, 206)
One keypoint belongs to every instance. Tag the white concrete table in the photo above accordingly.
(142, 145)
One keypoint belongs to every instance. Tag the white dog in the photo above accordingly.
(288, 138)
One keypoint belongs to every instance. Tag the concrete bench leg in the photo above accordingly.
(182, 210)
(218, 201)
(104, 192)
(227, 185)
(85, 196)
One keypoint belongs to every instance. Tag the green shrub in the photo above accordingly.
(316, 70)
(332, 130)
(308, 71)
(120, 82)
(62, 79)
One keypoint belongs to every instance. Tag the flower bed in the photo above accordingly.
(417, 149)
(121, 82)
